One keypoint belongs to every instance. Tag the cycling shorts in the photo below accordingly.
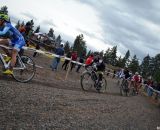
(17, 44)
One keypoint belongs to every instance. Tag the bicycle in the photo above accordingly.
(124, 87)
(24, 69)
(89, 78)
(134, 88)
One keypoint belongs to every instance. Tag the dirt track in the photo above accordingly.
(48, 102)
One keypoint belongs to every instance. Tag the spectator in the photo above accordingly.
(65, 64)
(81, 60)
(148, 83)
(59, 51)
(73, 58)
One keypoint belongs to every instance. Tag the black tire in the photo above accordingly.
(104, 86)
(132, 90)
(121, 90)
(26, 74)
(86, 82)
(126, 90)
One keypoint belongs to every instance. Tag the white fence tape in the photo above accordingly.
(156, 91)
(51, 54)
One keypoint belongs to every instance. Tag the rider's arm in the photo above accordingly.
(4, 31)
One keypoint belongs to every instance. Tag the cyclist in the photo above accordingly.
(126, 74)
(89, 60)
(100, 68)
(16, 40)
(126, 78)
(136, 81)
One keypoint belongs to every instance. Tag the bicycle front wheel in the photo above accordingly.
(86, 81)
(103, 85)
(24, 69)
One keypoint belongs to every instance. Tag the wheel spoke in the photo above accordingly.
(24, 73)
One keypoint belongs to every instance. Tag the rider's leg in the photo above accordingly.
(14, 57)
(17, 47)
(5, 42)
(136, 85)
(100, 76)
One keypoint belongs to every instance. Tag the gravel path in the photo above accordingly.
(49, 102)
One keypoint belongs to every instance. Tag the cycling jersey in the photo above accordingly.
(136, 78)
(126, 74)
(89, 60)
(16, 39)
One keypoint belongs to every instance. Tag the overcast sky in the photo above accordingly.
(129, 24)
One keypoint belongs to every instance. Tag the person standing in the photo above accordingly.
(73, 58)
(81, 60)
(59, 51)
(65, 64)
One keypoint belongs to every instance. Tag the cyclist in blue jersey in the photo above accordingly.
(16, 40)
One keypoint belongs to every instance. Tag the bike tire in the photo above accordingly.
(104, 85)
(86, 82)
(121, 90)
(126, 88)
(26, 74)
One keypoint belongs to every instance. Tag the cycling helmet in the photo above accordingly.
(4, 17)
(136, 73)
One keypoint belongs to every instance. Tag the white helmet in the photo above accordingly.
(136, 73)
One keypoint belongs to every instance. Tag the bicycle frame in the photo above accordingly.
(6, 65)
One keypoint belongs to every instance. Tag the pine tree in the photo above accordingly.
(37, 29)
(120, 62)
(106, 57)
(89, 53)
(125, 60)
(155, 67)
(101, 53)
(4, 10)
(32, 22)
(66, 47)
(51, 33)
(113, 55)
(134, 65)
(145, 66)
(58, 40)
(17, 25)
(157, 76)
(80, 45)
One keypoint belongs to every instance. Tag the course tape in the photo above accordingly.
(156, 91)
(51, 55)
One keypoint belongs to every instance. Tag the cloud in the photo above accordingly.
(129, 24)
(48, 23)
(29, 15)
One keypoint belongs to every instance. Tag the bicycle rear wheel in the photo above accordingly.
(124, 88)
(24, 73)
(86, 81)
